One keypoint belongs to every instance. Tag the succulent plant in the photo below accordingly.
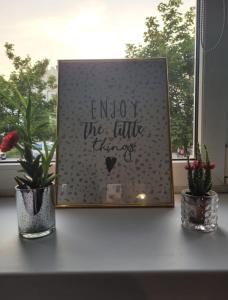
(199, 173)
(35, 169)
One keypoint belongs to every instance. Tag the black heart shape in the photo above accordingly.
(110, 162)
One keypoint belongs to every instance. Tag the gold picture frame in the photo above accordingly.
(113, 134)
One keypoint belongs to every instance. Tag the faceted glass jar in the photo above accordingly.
(35, 211)
(199, 212)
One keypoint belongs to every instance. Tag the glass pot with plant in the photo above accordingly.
(34, 190)
(199, 204)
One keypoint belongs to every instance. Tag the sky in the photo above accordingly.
(73, 29)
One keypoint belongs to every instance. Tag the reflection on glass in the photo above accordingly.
(141, 196)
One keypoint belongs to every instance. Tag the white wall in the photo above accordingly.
(227, 119)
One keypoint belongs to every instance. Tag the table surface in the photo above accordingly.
(114, 240)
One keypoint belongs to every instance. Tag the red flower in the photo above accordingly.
(209, 166)
(189, 167)
(9, 141)
(197, 164)
(212, 166)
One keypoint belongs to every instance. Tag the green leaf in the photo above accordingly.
(38, 128)
(207, 156)
(5, 97)
(45, 149)
(51, 153)
(36, 162)
(22, 132)
(37, 177)
(28, 154)
(26, 181)
(27, 167)
(20, 97)
(48, 157)
(49, 180)
(28, 115)
(21, 185)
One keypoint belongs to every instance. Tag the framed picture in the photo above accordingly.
(113, 134)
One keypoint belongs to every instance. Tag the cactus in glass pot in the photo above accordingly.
(199, 204)
(199, 173)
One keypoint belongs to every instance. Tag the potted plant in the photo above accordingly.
(34, 190)
(199, 204)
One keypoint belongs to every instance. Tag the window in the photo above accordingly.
(91, 30)
(102, 29)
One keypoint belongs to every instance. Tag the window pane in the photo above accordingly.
(93, 29)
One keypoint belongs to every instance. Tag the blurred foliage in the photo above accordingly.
(28, 77)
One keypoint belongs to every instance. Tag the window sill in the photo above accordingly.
(115, 254)
(9, 170)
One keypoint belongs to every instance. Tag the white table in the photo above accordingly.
(131, 253)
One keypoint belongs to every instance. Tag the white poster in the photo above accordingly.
(113, 134)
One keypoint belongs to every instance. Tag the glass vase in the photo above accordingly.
(199, 212)
(35, 211)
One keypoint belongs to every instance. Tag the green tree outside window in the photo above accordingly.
(175, 40)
